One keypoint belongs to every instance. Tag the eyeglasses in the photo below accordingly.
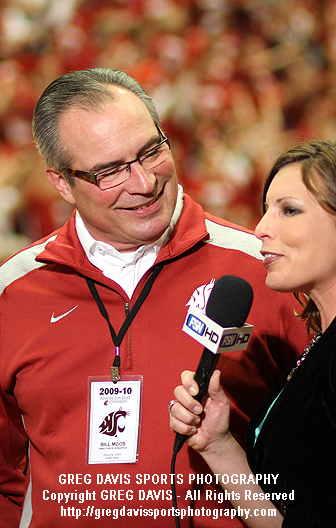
(113, 176)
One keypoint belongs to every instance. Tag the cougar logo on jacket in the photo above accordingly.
(109, 425)
(200, 296)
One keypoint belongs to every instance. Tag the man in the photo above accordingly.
(91, 318)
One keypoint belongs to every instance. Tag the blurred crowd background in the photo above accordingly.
(236, 83)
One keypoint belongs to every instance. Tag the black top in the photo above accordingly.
(298, 438)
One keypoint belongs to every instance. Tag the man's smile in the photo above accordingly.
(145, 205)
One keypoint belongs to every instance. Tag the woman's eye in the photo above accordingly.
(291, 211)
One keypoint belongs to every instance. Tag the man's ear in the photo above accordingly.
(61, 185)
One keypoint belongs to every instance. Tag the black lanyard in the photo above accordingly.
(117, 338)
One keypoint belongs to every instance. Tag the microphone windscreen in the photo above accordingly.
(230, 301)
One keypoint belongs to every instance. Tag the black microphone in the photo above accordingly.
(228, 305)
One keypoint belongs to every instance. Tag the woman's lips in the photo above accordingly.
(269, 258)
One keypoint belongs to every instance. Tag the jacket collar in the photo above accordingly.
(67, 250)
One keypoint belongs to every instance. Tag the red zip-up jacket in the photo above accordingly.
(46, 362)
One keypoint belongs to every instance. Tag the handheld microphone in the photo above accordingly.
(228, 305)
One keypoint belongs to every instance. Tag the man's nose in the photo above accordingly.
(140, 179)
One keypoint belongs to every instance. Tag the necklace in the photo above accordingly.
(304, 355)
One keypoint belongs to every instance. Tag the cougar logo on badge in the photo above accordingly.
(110, 426)
(200, 296)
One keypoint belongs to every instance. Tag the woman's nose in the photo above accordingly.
(263, 228)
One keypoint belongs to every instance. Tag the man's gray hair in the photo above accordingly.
(85, 89)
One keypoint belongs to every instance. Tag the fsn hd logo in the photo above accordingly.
(212, 336)
(230, 340)
(195, 324)
(200, 328)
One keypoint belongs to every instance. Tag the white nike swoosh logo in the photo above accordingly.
(54, 319)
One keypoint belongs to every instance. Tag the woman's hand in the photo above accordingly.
(208, 431)
(208, 426)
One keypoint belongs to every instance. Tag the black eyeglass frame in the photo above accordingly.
(95, 177)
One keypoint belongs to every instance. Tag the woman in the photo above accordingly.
(293, 433)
